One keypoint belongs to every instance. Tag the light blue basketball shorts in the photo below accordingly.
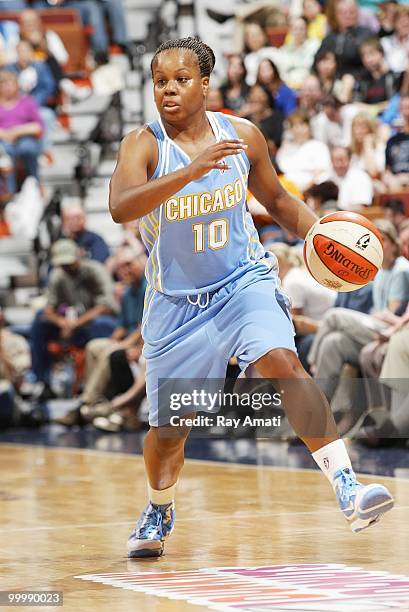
(245, 318)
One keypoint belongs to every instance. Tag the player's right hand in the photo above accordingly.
(212, 158)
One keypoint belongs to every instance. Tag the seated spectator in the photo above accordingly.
(310, 96)
(257, 48)
(396, 176)
(235, 90)
(124, 394)
(15, 359)
(263, 14)
(347, 38)
(361, 299)
(259, 110)
(355, 185)
(302, 158)
(215, 102)
(332, 124)
(315, 19)
(376, 84)
(325, 67)
(80, 307)
(368, 150)
(125, 337)
(9, 38)
(36, 79)
(343, 333)
(91, 245)
(49, 48)
(20, 127)
(394, 212)
(396, 45)
(387, 16)
(268, 77)
(295, 59)
(323, 197)
(309, 300)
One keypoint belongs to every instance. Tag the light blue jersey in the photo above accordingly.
(203, 236)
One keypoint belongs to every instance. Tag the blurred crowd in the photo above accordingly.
(36, 82)
(328, 85)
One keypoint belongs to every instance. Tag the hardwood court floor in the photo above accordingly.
(68, 512)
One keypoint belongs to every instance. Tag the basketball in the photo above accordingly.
(343, 251)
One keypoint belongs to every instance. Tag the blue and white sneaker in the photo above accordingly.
(155, 525)
(361, 505)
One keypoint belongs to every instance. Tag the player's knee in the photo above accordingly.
(169, 440)
(281, 363)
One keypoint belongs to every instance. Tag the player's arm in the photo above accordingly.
(132, 195)
(290, 212)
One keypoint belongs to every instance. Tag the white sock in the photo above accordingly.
(165, 496)
(331, 458)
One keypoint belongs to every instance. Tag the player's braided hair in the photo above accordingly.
(205, 56)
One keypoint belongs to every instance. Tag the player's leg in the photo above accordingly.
(310, 415)
(185, 355)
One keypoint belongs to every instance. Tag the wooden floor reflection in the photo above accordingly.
(68, 512)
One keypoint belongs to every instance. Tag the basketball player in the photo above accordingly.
(212, 291)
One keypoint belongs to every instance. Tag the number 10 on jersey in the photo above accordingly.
(217, 235)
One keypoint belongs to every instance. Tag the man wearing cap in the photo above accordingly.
(80, 306)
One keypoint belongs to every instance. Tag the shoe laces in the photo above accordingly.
(153, 519)
(347, 483)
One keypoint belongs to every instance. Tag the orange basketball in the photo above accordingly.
(343, 251)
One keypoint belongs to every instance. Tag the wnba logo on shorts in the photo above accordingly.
(326, 463)
(223, 170)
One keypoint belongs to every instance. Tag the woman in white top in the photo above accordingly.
(309, 300)
(368, 150)
(303, 159)
(396, 46)
(295, 59)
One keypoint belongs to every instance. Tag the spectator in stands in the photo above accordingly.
(355, 185)
(343, 333)
(310, 96)
(376, 84)
(316, 20)
(36, 79)
(125, 391)
(15, 359)
(125, 337)
(20, 127)
(396, 46)
(309, 300)
(396, 176)
(235, 90)
(303, 159)
(347, 38)
(215, 102)
(259, 109)
(91, 245)
(295, 59)
(394, 211)
(284, 98)
(80, 307)
(49, 48)
(325, 67)
(257, 48)
(387, 17)
(332, 124)
(368, 150)
(9, 37)
(322, 197)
